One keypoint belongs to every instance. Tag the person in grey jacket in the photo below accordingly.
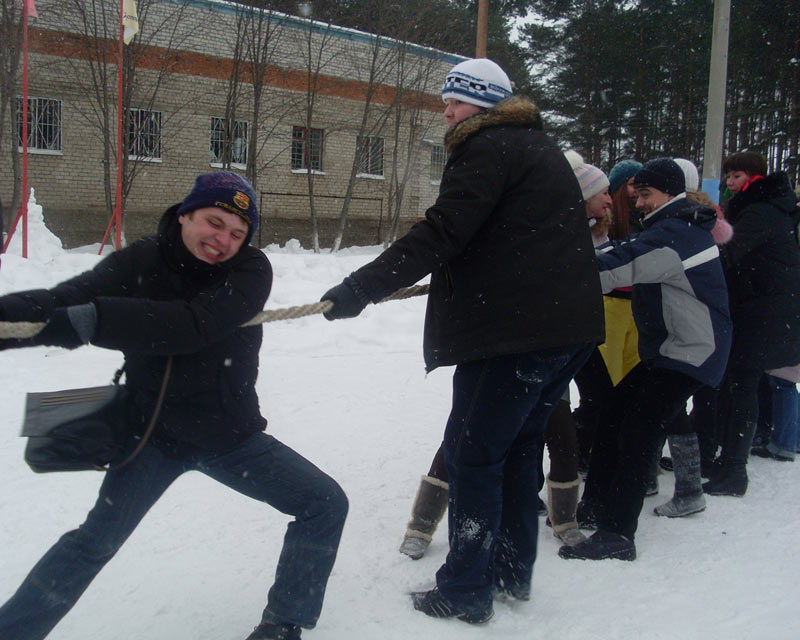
(680, 306)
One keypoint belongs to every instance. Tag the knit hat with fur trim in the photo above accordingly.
(621, 172)
(479, 81)
(591, 179)
(228, 191)
(663, 174)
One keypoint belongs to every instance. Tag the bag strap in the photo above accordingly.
(118, 373)
(151, 425)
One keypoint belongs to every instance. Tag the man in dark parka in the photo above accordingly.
(514, 303)
(184, 293)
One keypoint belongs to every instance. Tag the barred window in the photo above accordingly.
(144, 134)
(231, 136)
(370, 155)
(307, 148)
(44, 124)
(437, 162)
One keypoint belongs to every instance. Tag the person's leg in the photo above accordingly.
(62, 575)
(705, 424)
(740, 397)
(488, 425)
(655, 399)
(265, 469)
(765, 420)
(661, 396)
(428, 509)
(688, 497)
(605, 448)
(594, 386)
(563, 482)
(782, 443)
(515, 549)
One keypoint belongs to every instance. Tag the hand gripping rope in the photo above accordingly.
(30, 329)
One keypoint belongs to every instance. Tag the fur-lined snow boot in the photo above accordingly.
(562, 501)
(428, 510)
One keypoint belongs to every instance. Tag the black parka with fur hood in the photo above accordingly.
(506, 243)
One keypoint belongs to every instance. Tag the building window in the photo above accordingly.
(44, 124)
(370, 155)
(307, 148)
(229, 133)
(144, 134)
(437, 162)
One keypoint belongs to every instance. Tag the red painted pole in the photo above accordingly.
(22, 213)
(116, 218)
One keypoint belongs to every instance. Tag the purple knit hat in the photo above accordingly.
(228, 191)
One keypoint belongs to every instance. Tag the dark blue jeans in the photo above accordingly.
(261, 467)
(500, 410)
(785, 405)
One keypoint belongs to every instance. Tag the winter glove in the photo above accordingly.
(69, 327)
(348, 298)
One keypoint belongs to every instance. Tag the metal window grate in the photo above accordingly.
(144, 133)
(307, 148)
(44, 123)
(224, 133)
(370, 155)
(437, 162)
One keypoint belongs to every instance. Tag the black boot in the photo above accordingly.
(601, 545)
(432, 603)
(268, 631)
(732, 477)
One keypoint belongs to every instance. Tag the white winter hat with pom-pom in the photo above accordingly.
(591, 179)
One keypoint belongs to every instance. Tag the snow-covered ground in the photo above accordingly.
(353, 397)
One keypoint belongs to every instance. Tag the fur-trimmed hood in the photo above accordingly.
(515, 111)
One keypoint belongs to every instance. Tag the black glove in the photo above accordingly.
(69, 327)
(348, 298)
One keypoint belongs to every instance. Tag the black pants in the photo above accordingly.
(629, 433)
(594, 386)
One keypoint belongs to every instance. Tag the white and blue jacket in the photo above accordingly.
(680, 299)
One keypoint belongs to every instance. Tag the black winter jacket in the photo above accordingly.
(762, 267)
(155, 299)
(506, 242)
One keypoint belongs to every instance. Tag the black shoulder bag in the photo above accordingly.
(84, 429)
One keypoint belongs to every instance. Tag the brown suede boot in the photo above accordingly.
(428, 510)
(562, 502)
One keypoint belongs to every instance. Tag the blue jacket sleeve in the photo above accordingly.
(646, 259)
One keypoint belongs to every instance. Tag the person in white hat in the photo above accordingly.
(514, 303)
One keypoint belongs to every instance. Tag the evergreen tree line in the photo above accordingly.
(629, 78)
(626, 78)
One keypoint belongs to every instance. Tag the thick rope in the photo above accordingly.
(30, 329)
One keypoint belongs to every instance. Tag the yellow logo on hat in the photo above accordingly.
(241, 200)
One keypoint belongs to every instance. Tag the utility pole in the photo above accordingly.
(483, 28)
(715, 110)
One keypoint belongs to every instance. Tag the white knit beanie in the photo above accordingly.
(591, 179)
(479, 81)
(690, 173)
